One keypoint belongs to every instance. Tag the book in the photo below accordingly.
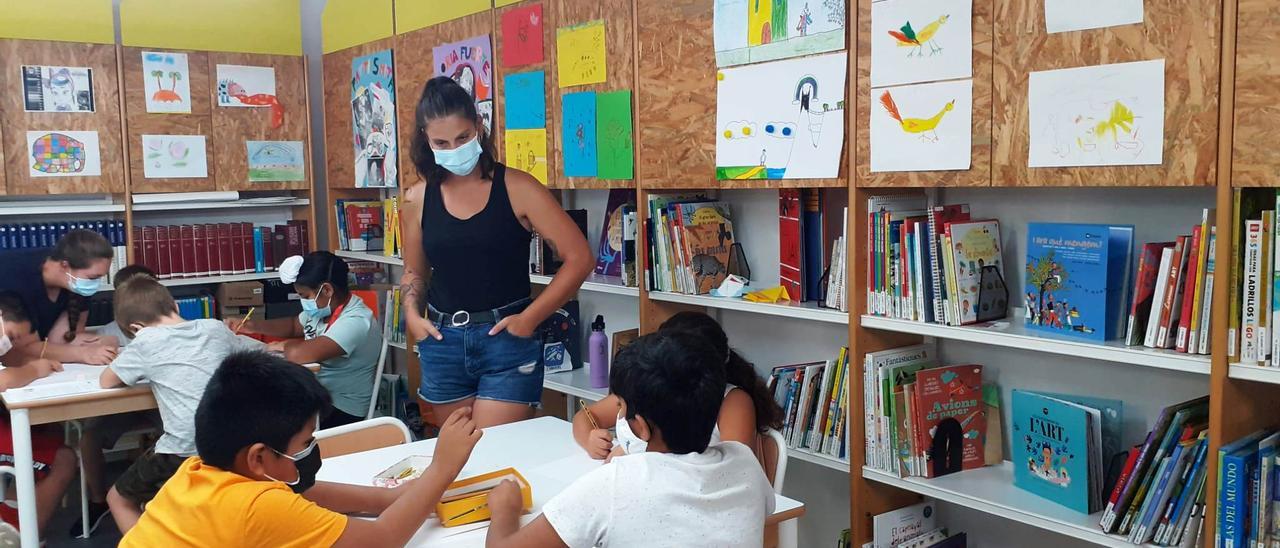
(974, 245)
(1251, 291)
(1077, 276)
(790, 242)
(952, 422)
(708, 246)
(1057, 448)
(1248, 203)
(1234, 460)
(1162, 284)
(1169, 308)
(897, 526)
(364, 226)
(1170, 418)
(1143, 292)
(609, 248)
(812, 233)
(1186, 300)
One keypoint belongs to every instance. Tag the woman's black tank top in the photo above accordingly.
(479, 263)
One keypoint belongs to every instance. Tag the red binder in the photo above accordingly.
(269, 260)
(164, 253)
(201, 258)
(237, 248)
(187, 237)
(224, 248)
(246, 241)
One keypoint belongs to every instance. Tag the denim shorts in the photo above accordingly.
(469, 362)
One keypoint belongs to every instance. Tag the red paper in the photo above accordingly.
(522, 36)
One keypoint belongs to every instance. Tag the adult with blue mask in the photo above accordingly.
(334, 329)
(55, 285)
(467, 228)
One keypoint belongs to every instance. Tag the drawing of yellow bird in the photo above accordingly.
(926, 127)
(1119, 125)
(909, 38)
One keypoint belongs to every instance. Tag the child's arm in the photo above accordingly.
(504, 526)
(354, 499)
(737, 419)
(110, 379)
(397, 524)
(129, 368)
(343, 336)
(596, 441)
(22, 375)
(311, 351)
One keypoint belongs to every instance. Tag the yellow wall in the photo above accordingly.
(61, 20)
(415, 14)
(347, 23)
(247, 26)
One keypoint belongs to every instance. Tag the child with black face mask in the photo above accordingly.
(254, 481)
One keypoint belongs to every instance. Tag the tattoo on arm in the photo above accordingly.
(411, 287)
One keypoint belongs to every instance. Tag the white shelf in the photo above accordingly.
(596, 284)
(172, 282)
(803, 311)
(1256, 373)
(51, 209)
(828, 461)
(375, 256)
(1011, 333)
(176, 206)
(991, 490)
(575, 383)
(395, 344)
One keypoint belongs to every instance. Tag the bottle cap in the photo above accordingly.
(598, 325)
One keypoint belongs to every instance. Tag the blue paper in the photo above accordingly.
(526, 102)
(579, 134)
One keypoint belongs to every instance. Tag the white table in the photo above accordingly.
(542, 449)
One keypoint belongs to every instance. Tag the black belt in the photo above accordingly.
(463, 317)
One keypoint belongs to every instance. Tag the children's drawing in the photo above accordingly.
(1097, 116)
(522, 36)
(242, 86)
(271, 161)
(470, 63)
(1069, 15)
(166, 82)
(580, 54)
(921, 41)
(373, 119)
(579, 134)
(781, 120)
(526, 150)
(613, 131)
(57, 89)
(63, 154)
(174, 157)
(751, 31)
(922, 127)
(525, 97)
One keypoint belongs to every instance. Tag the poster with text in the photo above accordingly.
(166, 82)
(751, 31)
(174, 157)
(63, 154)
(470, 63)
(920, 41)
(373, 119)
(237, 83)
(781, 119)
(522, 36)
(922, 127)
(1104, 115)
(57, 89)
(275, 161)
(1069, 15)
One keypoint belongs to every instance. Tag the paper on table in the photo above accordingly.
(75, 378)
(1069, 15)
(613, 135)
(580, 54)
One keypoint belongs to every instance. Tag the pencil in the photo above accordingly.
(44, 346)
(590, 417)
(245, 319)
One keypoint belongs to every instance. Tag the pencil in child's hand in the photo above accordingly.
(44, 346)
(245, 319)
(590, 418)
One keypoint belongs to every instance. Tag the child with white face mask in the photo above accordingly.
(669, 390)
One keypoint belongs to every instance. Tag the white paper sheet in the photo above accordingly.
(782, 119)
(75, 378)
(921, 41)
(166, 82)
(750, 31)
(174, 157)
(922, 127)
(57, 89)
(1103, 115)
(235, 80)
(1069, 15)
(58, 153)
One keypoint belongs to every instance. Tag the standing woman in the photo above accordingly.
(55, 289)
(467, 230)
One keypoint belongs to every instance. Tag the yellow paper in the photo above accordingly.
(526, 150)
(347, 23)
(412, 15)
(243, 26)
(580, 55)
(61, 20)
(500, 3)
(770, 295)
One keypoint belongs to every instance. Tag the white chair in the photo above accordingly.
(362, 436)
(377, 377)
(774, 452)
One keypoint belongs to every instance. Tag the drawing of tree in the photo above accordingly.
(835, 11)
(778, 25)
(174, 76)
(158, 74)
(1045, 274)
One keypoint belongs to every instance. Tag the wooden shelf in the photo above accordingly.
(1256, 373)
(375, 256)
(991, 490)
(1010, 333)
(595, 283)
(804, 311)
(239, 204)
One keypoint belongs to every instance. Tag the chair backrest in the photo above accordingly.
(362, 436)
(774, 458)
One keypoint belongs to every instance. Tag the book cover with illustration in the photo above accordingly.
(709, 254)
(364, 226)
(1056, 450)
(609, 252)
(790, 274)
(897, 526)
(1076, 279)
(952, 422)
(975, 244)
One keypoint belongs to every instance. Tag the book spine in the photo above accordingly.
(201, 255)
(1234, 312)
(1170, 292)
(1230, 500)
(246, 247)
(1132, 332)
(1210, 277)
(1250, 291)
(1188, 292)
(259, 252)
(1264, 289)
(164, 253)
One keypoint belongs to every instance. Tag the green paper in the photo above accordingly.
(613, 135)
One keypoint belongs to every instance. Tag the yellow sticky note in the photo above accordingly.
(580, 54)
(527, 151)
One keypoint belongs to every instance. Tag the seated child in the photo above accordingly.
(122, 277)
(54, 463)
(176, 357)
(253, 483)
(670, 483)
(748, 409)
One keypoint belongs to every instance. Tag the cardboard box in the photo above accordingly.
(466, 500)
(240, 294)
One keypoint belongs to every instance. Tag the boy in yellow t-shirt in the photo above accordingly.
(253, 483)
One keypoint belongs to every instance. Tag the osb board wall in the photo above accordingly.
(105, 119)
(414, 68)
(979, 172)
(139, 122)
(1185, 34)
(619, 69)
(1255, 161)
(340, 155)
(232, 126)
(547, 67)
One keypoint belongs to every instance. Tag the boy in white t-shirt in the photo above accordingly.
(669, 488)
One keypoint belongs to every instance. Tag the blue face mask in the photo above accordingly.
(310, 307)
(461, 160)
(84, 287)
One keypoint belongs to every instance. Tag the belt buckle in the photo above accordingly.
(453, 318)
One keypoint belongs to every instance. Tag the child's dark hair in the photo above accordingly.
(321, 267)
(672, 379)
(132, 271)
(737, 370)
(79, 248)
(12, 308)
(255, 397)
(141, 300)
(442, 97)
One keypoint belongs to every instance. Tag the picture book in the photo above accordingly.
(1057, 450)
(609, 257)
(708, 246)
(895, 527)
(811, 218)
(364, 226)
(952, 422)
(939, 218)
(975, 244)
(1143, 291)
(1076, 279)
(889, 370)
(790, 245)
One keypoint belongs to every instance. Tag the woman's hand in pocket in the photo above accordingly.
(421, 328)
(515, 324)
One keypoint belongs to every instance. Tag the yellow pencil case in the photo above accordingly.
(467, 500)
